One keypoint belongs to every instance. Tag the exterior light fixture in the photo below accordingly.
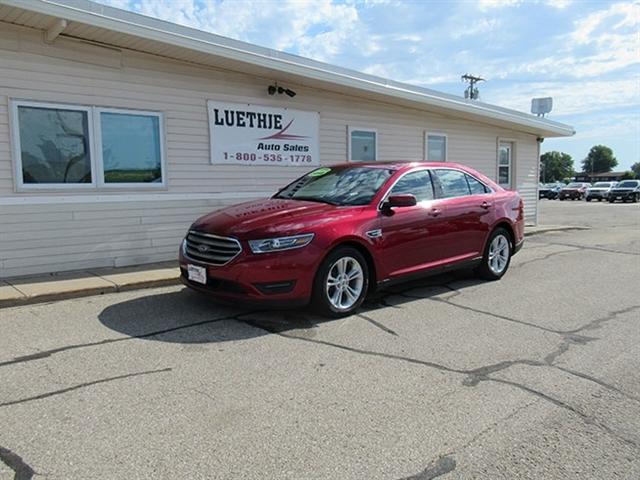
(273, 89)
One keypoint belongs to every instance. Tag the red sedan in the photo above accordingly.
(337, 232)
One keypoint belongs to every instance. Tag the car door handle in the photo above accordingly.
(434, 212)
(485, 205)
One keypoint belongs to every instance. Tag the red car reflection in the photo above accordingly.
(338, 232)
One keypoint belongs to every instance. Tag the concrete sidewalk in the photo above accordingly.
(58, 286)
(45, 288)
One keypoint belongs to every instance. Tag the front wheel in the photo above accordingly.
(341, 283)
(497, 255)
(636, 197)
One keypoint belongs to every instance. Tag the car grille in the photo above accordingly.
(212, 249)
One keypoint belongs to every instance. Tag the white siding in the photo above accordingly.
(55, 236)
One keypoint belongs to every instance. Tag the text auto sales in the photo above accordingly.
(267, 121)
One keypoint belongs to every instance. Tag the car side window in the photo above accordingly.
(417, 184)
(452, 183)
(476, 187)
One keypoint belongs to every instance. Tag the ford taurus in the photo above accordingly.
(338, 232)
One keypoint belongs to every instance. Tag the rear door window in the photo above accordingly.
(476, 187)
(451, 183)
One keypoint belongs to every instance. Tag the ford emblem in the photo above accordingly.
(203, 248)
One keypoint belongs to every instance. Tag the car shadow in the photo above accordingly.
(185, 316)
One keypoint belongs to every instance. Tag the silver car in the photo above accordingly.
(599, 191)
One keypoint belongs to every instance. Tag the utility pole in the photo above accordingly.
(471, 92)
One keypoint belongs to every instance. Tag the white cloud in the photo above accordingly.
(570, 98)
(492, 4)
(318, 29)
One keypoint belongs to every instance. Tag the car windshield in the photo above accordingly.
(602, 184)
(628, 184)
(338, 185)
(574, 185)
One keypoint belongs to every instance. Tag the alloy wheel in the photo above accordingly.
(344, 283)
(499, 254)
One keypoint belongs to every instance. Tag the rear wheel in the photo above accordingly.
(497, 255)
(588, 199)
(341, 283)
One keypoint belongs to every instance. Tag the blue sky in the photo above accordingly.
(584, 54)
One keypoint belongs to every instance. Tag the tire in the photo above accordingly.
(562, 199)
(611, 200)
(588, 199)
(636, 197)
(333, 292)
(487, 269)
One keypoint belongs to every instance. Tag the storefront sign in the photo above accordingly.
(244, 134)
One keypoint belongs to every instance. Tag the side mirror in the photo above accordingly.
(403, 200)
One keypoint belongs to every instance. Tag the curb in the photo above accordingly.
(552, 228)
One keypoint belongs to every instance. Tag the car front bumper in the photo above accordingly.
(622, 195)
(278, 279)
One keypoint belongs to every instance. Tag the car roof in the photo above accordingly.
(402, 165)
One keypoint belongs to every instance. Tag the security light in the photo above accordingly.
(273, 89)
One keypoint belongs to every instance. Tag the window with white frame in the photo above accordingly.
(363, 145)
(505, 161)
(68, 146)
(436, 147)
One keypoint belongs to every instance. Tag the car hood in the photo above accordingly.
(271, 217)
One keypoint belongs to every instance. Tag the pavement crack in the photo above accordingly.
(437, 468)
(21, 470)
(559, 403)
(594, 248)
(48, 353)
(81, 385)
(599, 322)
(376, 324)
(545, 257)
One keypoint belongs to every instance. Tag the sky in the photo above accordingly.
(584, 54)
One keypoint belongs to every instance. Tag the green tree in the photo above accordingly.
(636, 169)
(555, 166)
(600, 159)
(628, 175)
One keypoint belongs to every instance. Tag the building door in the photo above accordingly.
(505, 164)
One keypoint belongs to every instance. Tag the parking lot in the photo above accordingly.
(533, 377)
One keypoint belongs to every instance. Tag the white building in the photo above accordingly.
(113, 137)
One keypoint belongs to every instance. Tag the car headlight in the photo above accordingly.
(184, 246)
(281, 243)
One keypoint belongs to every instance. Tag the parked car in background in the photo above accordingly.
(599, 191)
(337, 232)
(550, 190)
(574, 191)
(625, 191)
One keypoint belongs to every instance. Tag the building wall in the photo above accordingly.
(57, 230)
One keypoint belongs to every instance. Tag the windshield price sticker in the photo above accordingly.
(320, 172)
(244, 134)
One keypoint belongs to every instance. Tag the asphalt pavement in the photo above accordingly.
(536, 376)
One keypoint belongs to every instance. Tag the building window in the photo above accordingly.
(62, 146)
(363, 145)
(130, 147)
(505, 161)
(54, 145)
(436, 147)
